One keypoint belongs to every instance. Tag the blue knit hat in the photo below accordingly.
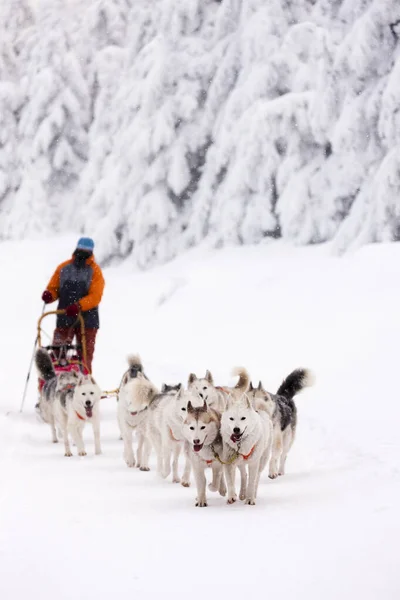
(85, 243)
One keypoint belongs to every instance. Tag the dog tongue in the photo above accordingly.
(197, 447)
(235, 438)
(89, 412)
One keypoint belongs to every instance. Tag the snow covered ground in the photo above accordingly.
(92, 528)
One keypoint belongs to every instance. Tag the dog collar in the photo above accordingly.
(80, 416)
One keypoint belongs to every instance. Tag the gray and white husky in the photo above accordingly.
(55, 386)
(135, 397)
(73, 404)
(283, 412)
(216, 397)
(247, 438)
(203, 444)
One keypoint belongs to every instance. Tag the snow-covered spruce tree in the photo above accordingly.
(52, 127)
(159, 140)
(10, 100)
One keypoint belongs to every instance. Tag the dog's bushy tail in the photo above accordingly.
(44, 364)
(295, 383)
(135, 365)
(244, 379)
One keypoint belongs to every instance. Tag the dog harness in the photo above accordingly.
(173, 438)
(80, 416)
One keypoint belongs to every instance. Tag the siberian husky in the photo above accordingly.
(283, 412)
(73, 404)
(247, 437)
(203, 443)
(216, 397)
(166, 417)
(55, 385)
(135, 396)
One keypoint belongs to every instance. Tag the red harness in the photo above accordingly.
(247, 456)
(79, 416)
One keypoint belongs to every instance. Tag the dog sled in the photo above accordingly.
(65, 357)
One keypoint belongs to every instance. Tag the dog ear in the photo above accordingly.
(190, 408)
(209, 377)
(251, 386)
(178, 387)
(192, 378)
(259, 385)
(164, 388)
(125, 378)
(248, 403)
(92, 379)
(204, 408)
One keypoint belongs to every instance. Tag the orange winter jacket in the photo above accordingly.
(84, 285)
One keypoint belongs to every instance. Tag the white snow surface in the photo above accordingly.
(156, 124)
(92, 528)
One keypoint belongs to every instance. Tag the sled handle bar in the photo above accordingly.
(62, 312)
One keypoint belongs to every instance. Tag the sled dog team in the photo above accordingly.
(223, 428)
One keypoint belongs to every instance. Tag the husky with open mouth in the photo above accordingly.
(203, 443)
(247, 437)
(76, 401)
(135, 397)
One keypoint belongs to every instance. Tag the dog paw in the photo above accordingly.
(98, 452)
(242, 495)
(176, 480)
(273, 475)
(212, 487)
(281, 473)
(232, 499)
(250, 501)
(201, 503)
(130, 463)
(222, 491)
(82, 453)
(185, 484)
(69, 453)
(144, 469)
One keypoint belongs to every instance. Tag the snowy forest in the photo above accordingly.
(157, 125)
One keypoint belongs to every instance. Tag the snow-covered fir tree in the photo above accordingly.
(156, 124)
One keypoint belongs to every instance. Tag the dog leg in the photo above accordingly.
(254, 469)
(230, 481)
(216, 477)
(166, 452)
(175, 463)
(76, 433)
(288, 439)
(127, 436)
(276, 452)
(243, 482)
(222, 484)
(64, 428)
(145, 455)
(96, 434)
(140, 438)
(156, 442)
(201, 484)
(54, 437)
(186, 472)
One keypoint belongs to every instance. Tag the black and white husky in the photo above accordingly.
(283, 412)
(72, 401)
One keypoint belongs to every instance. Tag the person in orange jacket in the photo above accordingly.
(78, 285)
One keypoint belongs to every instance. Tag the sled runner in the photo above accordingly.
(65, 357)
